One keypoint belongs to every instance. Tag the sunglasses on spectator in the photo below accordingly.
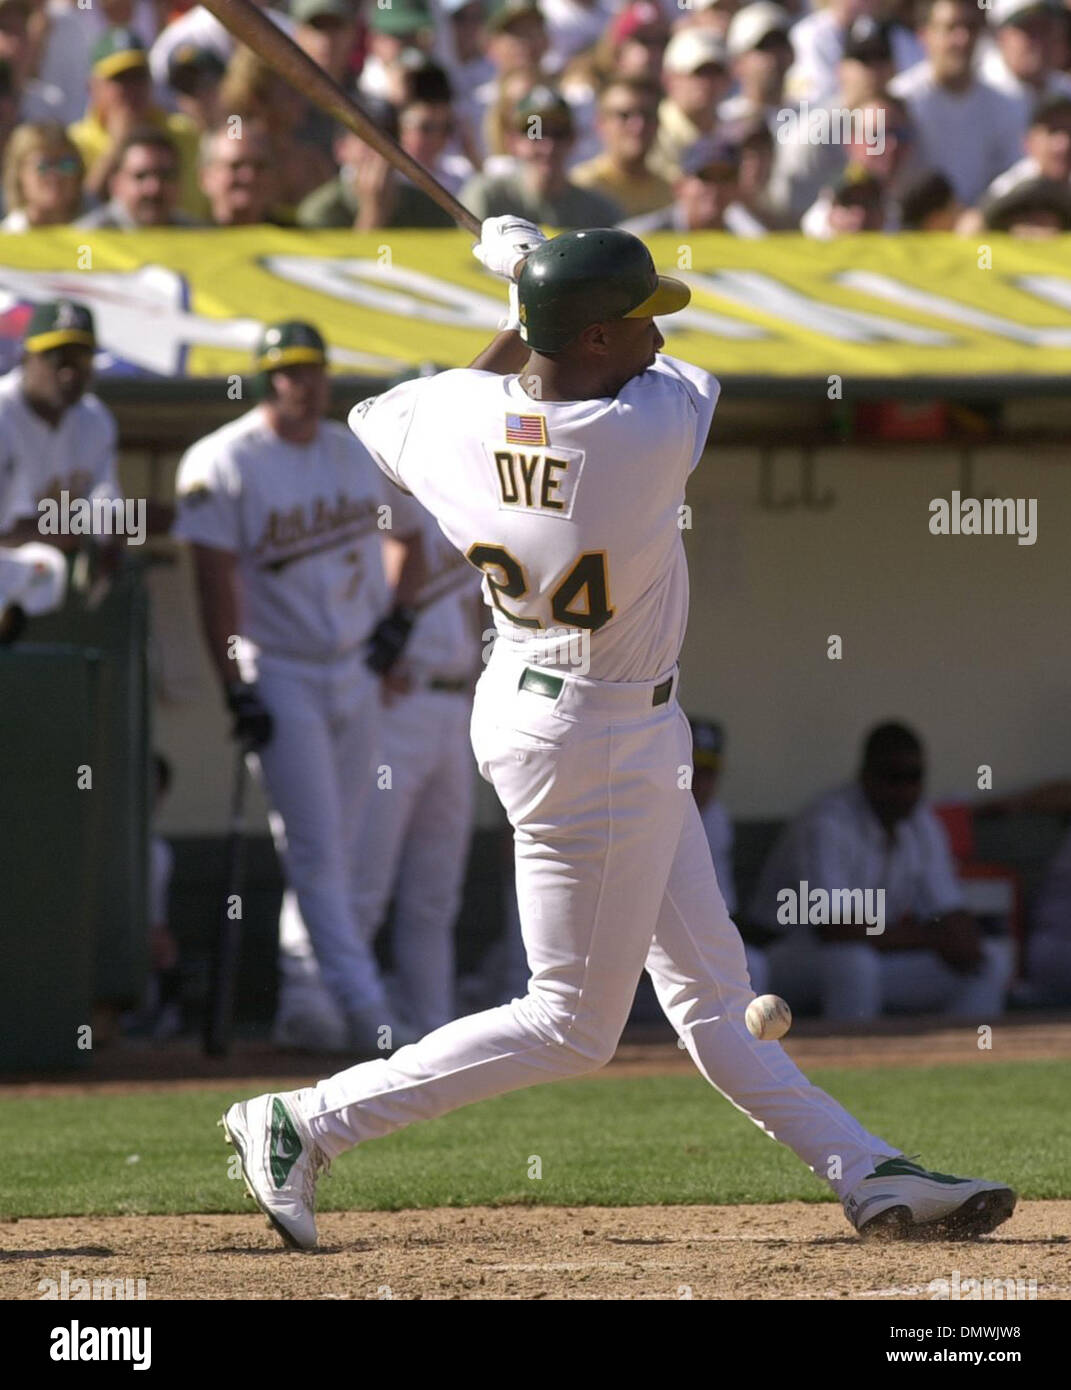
(430, 127)
(168, 175)
(647, 114)
(58, 164)
(717, 173)
(552, 130)
(257, 165)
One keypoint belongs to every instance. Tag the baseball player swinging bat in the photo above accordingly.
(280, 52)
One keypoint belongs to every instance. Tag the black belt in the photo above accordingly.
(447, 685)
(543, 683)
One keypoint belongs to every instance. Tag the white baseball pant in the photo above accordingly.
(319, 771)
(613, 873)
(414, 846)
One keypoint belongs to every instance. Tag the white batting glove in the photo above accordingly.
(504, 243)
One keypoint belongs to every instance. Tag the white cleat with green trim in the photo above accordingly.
(280, 1165)
(901, 1201)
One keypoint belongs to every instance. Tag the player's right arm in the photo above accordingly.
(216, 578)
(208, 491)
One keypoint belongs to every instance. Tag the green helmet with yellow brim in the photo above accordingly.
(291, 343)
(591, 276)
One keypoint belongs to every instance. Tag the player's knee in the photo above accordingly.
(582, 1043)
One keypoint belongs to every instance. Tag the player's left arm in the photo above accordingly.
(407, 572)
(504, 355)
(503, 246)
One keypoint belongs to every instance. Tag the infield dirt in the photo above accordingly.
(792, 1250)
(789, 1250)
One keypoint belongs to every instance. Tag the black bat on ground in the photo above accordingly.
(220, 1015)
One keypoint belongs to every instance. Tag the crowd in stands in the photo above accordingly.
(853, 115)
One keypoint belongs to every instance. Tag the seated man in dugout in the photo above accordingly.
(863, 890)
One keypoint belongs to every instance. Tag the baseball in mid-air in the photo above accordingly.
(768, 1017)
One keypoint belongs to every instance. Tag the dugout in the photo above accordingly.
(809, 520)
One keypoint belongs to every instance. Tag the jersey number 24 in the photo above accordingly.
(586, 582)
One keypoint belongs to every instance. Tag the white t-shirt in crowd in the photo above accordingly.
(970, 136)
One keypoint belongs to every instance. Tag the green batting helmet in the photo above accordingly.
(289, 344)
(580, 278)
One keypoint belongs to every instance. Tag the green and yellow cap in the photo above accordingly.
(58, 323)
(117, 51)
(289, 344)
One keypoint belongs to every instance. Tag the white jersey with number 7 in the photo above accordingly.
(571, 509)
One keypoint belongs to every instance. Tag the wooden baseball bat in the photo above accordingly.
(256, 31)
(220, 1015)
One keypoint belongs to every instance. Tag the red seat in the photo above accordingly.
(958, 820)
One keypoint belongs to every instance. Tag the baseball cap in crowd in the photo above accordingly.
(1028, 198)
(118, 51)
(711, 156)
(306, 11)
(190, 64)
(868, 40)
(923, 197)
(857, 187)
(708, 741)
(502, 13)
(59, 323)
(1055, 108)
(379, 111)
(401, 17)
(289, 344)
(641, 17)
(550, 106)
(691, 49)
(1003, 12)
(754, 23)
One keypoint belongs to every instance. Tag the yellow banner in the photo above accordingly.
(192, 303)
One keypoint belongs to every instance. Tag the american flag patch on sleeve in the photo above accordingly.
(526, 429)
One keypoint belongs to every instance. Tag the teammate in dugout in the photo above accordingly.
(614, 873)
(285, 512)
(55, 435)
(413, 846)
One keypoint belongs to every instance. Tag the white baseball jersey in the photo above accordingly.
(443, 640)
(37, 461)
(837, 842)
(306, 522)
(570, 508)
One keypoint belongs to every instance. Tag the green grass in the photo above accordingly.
(664, 1140)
